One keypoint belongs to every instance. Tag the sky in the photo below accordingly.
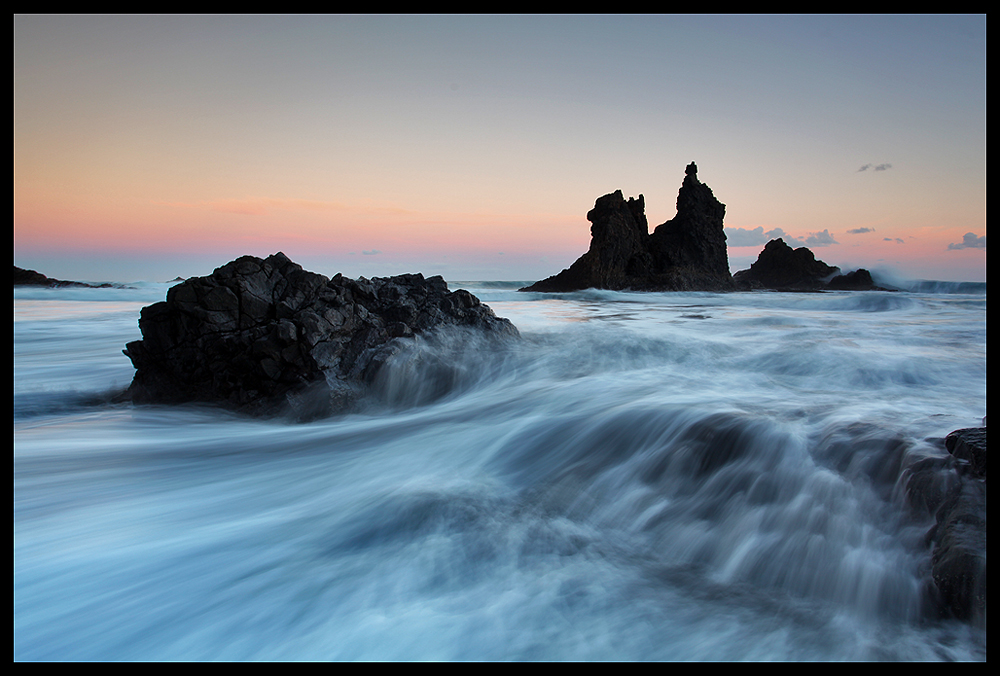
(473, 146)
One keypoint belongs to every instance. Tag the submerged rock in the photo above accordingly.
(687, 253)
(262, 336)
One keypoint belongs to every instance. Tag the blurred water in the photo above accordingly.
(642, 477)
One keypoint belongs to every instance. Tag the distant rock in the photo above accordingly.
(264, 336)
(687, 253)
(779, 267)
(859, 280)
(24, 277)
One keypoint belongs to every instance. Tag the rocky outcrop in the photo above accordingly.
(953, 489)
(779, 267)
(264, 336)
(23, 277)
(859, 280)
(687, 253)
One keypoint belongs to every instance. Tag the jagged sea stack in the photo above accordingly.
(687, 253)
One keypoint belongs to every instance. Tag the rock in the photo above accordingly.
(958, 561)
(23, 277)
(859, 280)
(969, 446)
(956, 488)
(687, 252)
(263, 335)
(780, 267)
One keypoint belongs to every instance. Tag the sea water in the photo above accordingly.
(676, 476)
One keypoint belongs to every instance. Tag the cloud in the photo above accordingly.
(860, 231)
(820, 239)
(875, 167)
(755, 237)
(970, 241)
(898, 240)
(370, 252)
(759, 237)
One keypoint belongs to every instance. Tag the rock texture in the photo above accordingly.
(953, 489)
(958, 562)
(779, 267)
(687, 253)
(264, 336)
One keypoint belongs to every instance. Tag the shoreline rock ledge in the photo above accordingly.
(687, 253)
(266, 337)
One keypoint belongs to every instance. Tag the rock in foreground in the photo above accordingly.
(953, 489)
(263, 335)
(687, 253)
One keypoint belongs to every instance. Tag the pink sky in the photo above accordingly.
(473, 147)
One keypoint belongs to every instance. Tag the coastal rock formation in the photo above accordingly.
(953, 489)
(263, 336)
(23, 277)
(958, 563)
(687, 253)
(779, 267)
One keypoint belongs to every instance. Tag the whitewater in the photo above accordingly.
(643, 476)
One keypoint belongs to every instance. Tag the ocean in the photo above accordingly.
(643, 476)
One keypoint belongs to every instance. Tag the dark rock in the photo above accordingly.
(954, 487)
(687, 252)
(260, 336)
(859, 280)
(969, 445)
(780, 267)
(958, 561)
(23, 277)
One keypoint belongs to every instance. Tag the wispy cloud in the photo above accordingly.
(759, 237)
(370, 252)
(875, 167)
(898, 240)
(755, 237)
(970, 241)
(860, 231)
(823, 238)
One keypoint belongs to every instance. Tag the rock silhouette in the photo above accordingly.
(687, 253)
(779, 267)
(24, 277)
(264, 336)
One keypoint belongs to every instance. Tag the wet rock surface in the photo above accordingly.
(953, 489)
(264, 336)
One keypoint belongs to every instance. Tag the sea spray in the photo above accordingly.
(642, 477)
